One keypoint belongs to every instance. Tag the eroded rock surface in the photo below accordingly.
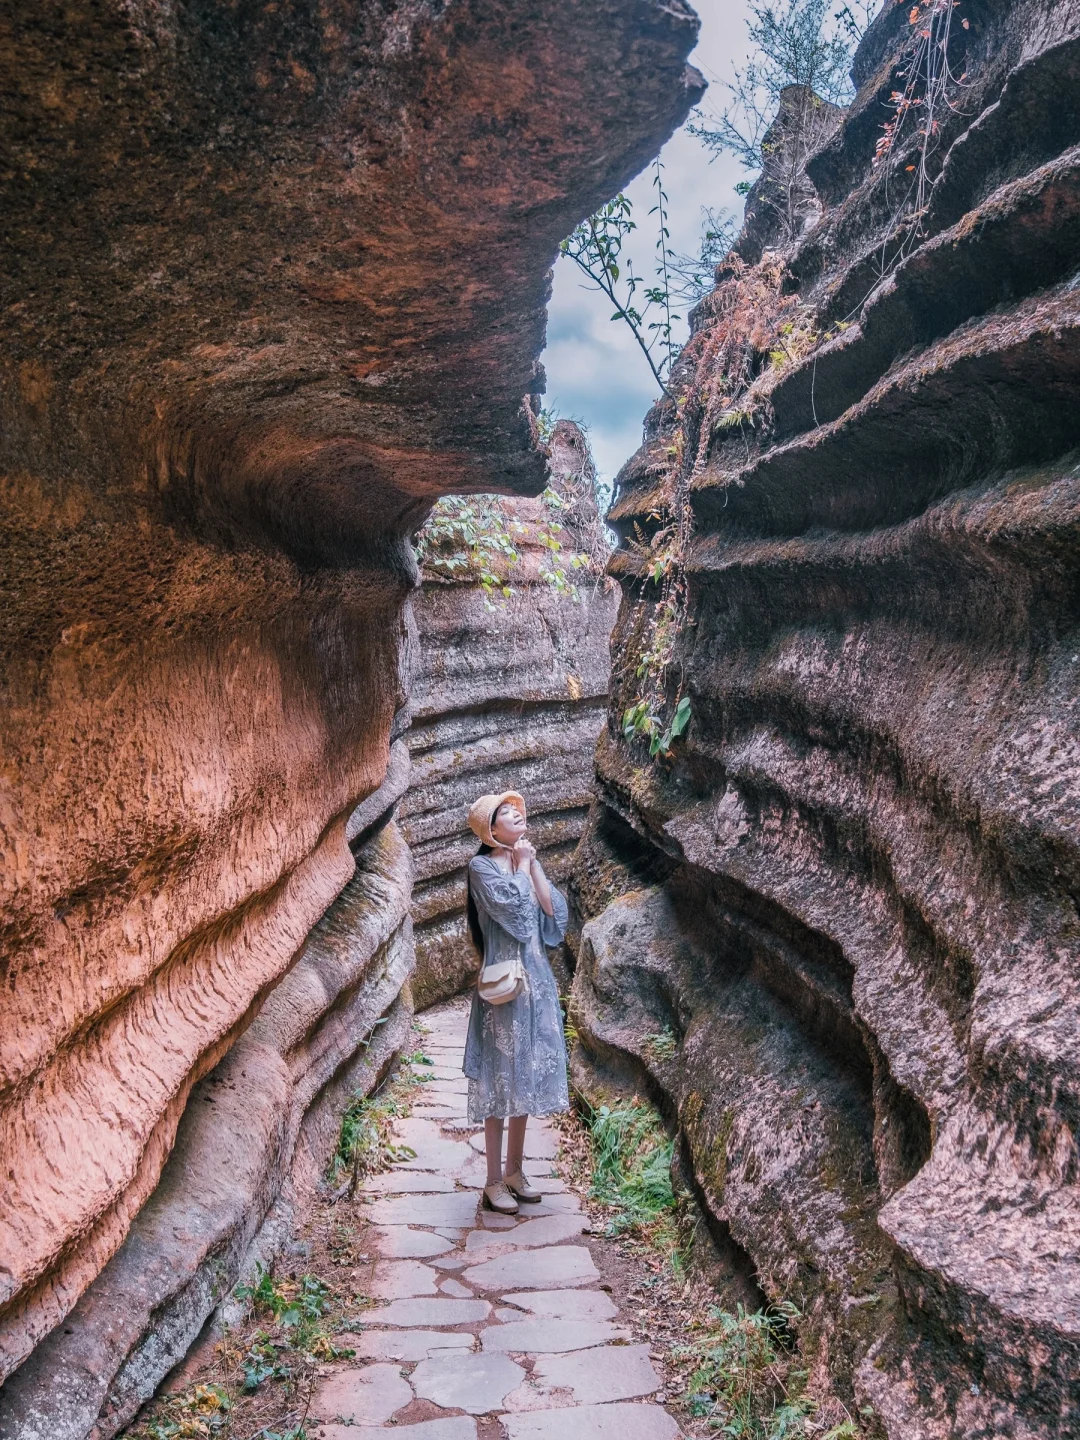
(272, 280)
(508, 693)
(837, 932)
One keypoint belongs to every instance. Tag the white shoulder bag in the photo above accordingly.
(502, 982)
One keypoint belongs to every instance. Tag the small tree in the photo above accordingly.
(693, 276)
(797, 43)
(596, 248)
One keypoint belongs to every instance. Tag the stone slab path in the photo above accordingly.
(485, 1327)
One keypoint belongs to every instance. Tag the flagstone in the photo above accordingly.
(362, 1397)
(408, 1182)
(492, 1220)
(562, 1304)
(434, 1151)
(455, 1209)
(592, 1422)
(618, 1372)
(552, 1205)
(407, 1344)
(529, 1397)
(476, 1383)
(432, 1312)
(550, 1230)
(541, 1334)
(399, 1279)
(399, 1242)
(545, 1269)
(455, 1289)
(438, 1071)
(454, 1261)
(453, 1427)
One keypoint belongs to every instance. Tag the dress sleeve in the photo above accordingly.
(508, 899)
(553, 927)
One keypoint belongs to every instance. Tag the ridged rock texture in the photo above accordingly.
(837, 932)
(274, 277)
(508, 693)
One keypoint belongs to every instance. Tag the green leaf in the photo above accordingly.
(681, 719)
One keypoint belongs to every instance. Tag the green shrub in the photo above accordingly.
(364, 1145)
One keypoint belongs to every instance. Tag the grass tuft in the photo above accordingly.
(364, 1142)
(745, 1381)
(630, 1164)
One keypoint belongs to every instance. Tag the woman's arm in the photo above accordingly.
(525, 861)
(542, 888)
(506, 898)
(553, 908)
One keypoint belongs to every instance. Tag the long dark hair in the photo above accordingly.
(472, 915)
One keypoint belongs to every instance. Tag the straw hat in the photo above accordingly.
(483, 813)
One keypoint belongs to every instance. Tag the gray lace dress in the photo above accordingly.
(515, 1054)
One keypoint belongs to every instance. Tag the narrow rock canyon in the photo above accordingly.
(835, 933)
(274, 278)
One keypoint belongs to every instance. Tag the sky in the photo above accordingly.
(596, 374)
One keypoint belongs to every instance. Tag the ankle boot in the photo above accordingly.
(519, 1186)
(498, 1197)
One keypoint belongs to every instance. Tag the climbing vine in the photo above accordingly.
(751, 329)
(467, 537)
(929, 94)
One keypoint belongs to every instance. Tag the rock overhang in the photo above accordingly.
(297, 265)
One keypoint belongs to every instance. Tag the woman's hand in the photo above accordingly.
(523, 854)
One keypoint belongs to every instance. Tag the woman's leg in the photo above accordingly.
(515, 1144)
(493, 1128)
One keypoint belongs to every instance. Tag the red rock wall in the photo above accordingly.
(273, 278)
(850, 899)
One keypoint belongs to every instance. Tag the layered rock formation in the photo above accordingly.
(254, 1139)
(845, 910)
(508, 693)
(273, 279)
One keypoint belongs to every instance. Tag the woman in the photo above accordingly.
(515, 1054)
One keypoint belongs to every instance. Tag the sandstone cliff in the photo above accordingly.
(848, 901)
(273, 278)
(508, 693)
